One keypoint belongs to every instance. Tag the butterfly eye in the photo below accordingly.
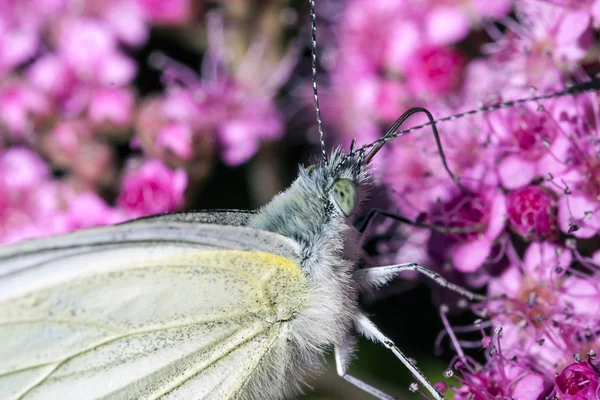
(345, 196)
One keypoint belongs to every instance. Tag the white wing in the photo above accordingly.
(145, 310)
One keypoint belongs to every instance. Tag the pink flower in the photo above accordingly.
(128, 21)
(482, 216)
(532, 212)
(176, 138)
(24, 203)
(22, 107)
(66, 141)
(578, 215)
(233, 113)
(51, 74)
(17, 46)
(435, 71)
(152, 188)
(88, 209)
(578, 381)
(450, 22)
(529, 145)
(112, 107)
(85, 43)
(22, 170)
(498, 378)
(547, 310)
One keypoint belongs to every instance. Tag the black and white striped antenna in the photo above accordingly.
(313, 52)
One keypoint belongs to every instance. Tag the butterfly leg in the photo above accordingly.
(370, 331)
(342, 358)
(379, 276)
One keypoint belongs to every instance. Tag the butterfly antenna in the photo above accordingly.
(313, 53)
(391, 133)
(592, 85)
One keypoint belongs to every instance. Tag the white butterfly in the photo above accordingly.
(215, 305)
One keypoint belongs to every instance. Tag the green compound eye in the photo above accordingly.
(345, 196)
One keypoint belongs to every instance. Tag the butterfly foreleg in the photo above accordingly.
(379, 276)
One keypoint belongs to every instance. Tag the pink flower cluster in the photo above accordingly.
(71, 114)
(528, 187)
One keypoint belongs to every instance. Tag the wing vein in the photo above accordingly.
(266, 349)
(108, 341)
(213, 361)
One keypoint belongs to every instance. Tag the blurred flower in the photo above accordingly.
(23, 178)
(152, 188)
(112, 107)
(229, 108)
(434, 71)
(532, 213)
(86, 210)
(482, 219)
(22, 109)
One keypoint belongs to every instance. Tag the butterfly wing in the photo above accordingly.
(153, 308)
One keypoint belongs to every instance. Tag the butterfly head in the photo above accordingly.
(342, 181)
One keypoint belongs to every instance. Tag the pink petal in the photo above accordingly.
(529, 387)
(126, 20)
(22, 169)
(110, 105)
(515, 172)
(470, 256)
(493, 9)
(498, 216)
(572, 209)
(49, 74)
(583, 294)
(239, 144)
(446, 25)
(403, 41)
(595, 10)
(572, 26)
(177, 138)
(540, 259)
(508, 283)
(116, 69)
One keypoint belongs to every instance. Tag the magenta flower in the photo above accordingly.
(228, 109)
(499, 379)
(532, 213)
(66, 141)
(450, 22)
(434, 71)
(548, 310)
(88, 209)
(529, 145)
(576, 176)
(23, 178)
(578, 381)
(112, 107)
(22, 108)
(481, 217)
(152, 188)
